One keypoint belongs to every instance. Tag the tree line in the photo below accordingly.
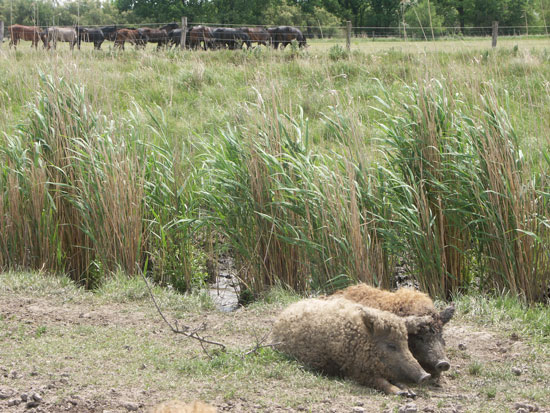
(429, 14)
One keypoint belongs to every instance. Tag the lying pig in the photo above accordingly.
(340, 337)
(425, 337)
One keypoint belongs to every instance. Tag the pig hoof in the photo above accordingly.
(407, 393)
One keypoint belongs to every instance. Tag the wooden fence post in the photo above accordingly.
(495, 33)
(348, 36)
(1, 33)
(183, 32)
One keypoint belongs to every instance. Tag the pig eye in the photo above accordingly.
(392, 347)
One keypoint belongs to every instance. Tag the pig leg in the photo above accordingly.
(405, 391)
(388, 388)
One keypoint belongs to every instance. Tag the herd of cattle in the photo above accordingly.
(166, 36)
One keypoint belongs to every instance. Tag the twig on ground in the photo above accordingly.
(184, 330)
(259, 344)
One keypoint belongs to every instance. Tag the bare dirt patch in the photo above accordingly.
(92, 356)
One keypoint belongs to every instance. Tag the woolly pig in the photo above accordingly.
(176, 406)
(425, 338)
(343, 338)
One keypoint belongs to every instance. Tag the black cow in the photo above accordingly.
(169, 27)
(283, 35)
(175, 37)
(258, 35)
(231, 38)
(110, 32)
(86, 34)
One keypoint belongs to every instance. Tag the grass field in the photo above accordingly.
(440, 45)
(304, 162)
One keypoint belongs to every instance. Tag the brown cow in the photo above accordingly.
(28, 33)
(158, 36)
(200, 34)
(258, 35)
(127, 35)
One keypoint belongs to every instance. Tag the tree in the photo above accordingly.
(383, 13)
(321, 23)
(240, 11)
(423, 19)
(283, 14)
(153, 10)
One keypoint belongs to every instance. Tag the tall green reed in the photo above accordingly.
(464, 204)
(290, 213)
(85, 195)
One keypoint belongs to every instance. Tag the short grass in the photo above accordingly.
(427, 46)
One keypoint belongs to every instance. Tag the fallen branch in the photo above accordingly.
(259, 344)
(184, 330)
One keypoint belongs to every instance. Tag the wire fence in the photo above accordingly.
(404, 32)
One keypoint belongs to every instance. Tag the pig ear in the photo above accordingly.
(447, 314)
(368, 320)
(415, 323)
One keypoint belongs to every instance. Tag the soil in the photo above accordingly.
(491, 370)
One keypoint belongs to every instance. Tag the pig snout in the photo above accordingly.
(412, 372)
(423, 377)
(442, 365)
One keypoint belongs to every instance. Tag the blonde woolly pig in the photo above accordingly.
(340, 337)
(425, 337)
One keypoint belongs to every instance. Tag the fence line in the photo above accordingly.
(372, 32)
(343, 28)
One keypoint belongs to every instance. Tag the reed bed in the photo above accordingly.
(313, 172)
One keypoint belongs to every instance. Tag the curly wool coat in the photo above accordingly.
(403, 302)
(425, 335)
(340, 337)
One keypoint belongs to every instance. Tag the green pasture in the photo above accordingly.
(377, 45)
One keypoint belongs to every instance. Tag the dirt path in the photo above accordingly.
(91, 356)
